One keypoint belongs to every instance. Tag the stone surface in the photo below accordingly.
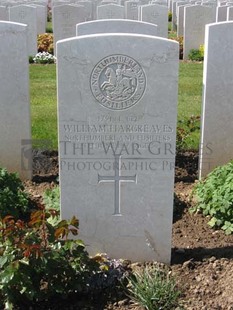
(4, 14)
(116, 26)
(180, 20)
(87, 9)
(110, 11)
(195, 19)
(221, 14)
(117, 130)
(26, 14)
(15, 128)
(217, 110)
(156, 14)
(230, 13)
(65, 18)
(41, 14)
(132, 10)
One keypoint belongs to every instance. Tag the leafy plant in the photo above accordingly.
(45, 43)
(214, 197)
(39, 263)
(31, 60)
(169, 16)
(44, 58)
(196, 54)
(13, 199)
(153, 289)
(184, 130)
(51, 199)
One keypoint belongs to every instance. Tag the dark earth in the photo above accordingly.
(202, 258)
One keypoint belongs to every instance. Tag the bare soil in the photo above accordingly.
(202, 258)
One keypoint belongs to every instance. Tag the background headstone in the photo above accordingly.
(116, 97)
(26, 14)
(195, 19)
(15, 126)
(217, 110)
(156, 14)
(116, 26)
(110, 11)
(132, 10)
(4, 14)
(65, 18)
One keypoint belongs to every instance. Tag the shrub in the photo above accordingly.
(45, 43)
(31, 61)
(169, 16)
(44, 58)
(214, 197)
(184, 130)
(39, 264)
(196, 54)
(153, 289)
(13, 199)
(51, 199)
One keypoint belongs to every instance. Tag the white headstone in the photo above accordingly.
(41, 13)
(15, 128)
(116, 26)
(4, 14)
(110, 11)
(217, 110)
(221, 13)
(87, 9)
(195, 19)
(26, 14)
(117, 125)
(180, 20)
(230, 13)
(132, 10)
(65, 18)
(156, 14)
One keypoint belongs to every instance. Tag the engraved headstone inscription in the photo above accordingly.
(117, 132)
(15, 126)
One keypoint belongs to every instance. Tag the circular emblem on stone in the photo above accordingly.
(118, 82)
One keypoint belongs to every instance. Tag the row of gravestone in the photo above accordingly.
(190, 17)
(33, 15)
(65, 18)
(117, 111)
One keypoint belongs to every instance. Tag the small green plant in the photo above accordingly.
(169, 16)
(39, 263)
(153, 289)
(184, 130)
(31, 61)
(13, 199)
(44, 58)
(214, 197)
(196, 54)
(51, 199)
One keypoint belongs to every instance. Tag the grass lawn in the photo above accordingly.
(44, 106)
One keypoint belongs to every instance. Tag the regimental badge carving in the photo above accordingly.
(118, 82)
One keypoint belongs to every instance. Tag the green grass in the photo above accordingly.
(189, 100)
(44, 107)
(49, 27)
(43, 102)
